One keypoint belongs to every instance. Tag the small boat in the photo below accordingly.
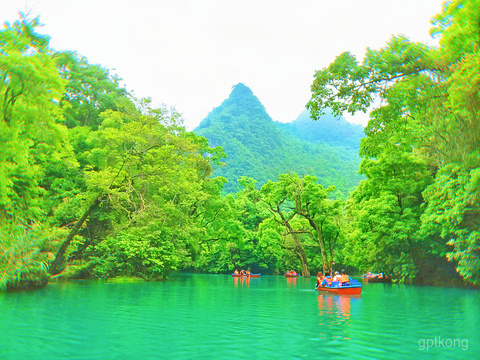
(288, 275)
(245, 275)
(355, 288)
(376, 278)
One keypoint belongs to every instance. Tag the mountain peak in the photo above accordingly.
(241, 90)
(241, 101)
(242, 96)
(258, 147)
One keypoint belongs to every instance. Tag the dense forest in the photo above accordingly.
(260, 148)
(95, 183)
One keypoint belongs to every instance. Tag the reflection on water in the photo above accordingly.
(213, 317)
(292, 281)
(335, 310)
(338, 304)
(242, 280)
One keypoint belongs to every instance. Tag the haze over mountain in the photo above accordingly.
(258, 147)
(335, 131)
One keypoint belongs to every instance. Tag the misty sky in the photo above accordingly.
(188, 54)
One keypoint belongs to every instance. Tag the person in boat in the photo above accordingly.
(319, 280)
(345, 279)
(236, 272)
(327, 280)
(242, 272)
(337, 277)
(293, 272)
(247, 273)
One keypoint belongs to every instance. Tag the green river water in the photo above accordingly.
(220, 317)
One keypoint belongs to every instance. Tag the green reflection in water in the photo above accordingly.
(220, 317)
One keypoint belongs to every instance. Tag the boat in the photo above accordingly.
(288, 275)
(251, 275)
(355, 288)
(376, 278)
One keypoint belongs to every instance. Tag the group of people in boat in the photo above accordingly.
(291, 273)
(242, 272)
(369, 275)
(333, 281)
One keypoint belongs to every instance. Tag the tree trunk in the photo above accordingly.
(304, 261)
(58, 264)
(321, 243)
(299, 250)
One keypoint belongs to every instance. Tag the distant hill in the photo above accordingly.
(335, 131)
(258, 147)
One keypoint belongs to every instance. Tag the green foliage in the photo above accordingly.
(21, 261)
(230, 224)
(301, 207)
(153, 178)
(142, 177)
(385, 211)
(417, 155)
(30, 133)
(453, 214)
(90, 90)
(117, 188)
(260, 148)
(144, 252)
(32, 142)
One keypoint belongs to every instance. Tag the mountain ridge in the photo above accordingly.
(346, 134)
(261, 148)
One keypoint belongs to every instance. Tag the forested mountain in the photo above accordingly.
(330, 129)
(260, 148)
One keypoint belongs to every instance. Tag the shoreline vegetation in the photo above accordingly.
(36, 284)
(95, 183)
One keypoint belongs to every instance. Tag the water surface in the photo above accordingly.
(220, 317)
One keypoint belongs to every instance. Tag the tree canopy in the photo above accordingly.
(421, 149)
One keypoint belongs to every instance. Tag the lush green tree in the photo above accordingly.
(120, 192)
(323, 215)
(453, 214)
(385, 211)
(231, 238)
(89, 91)
(308, 216)
(221, 235)
(428, 119)
(277, 196)
(32, 141)
(147, 173)
(30, 131)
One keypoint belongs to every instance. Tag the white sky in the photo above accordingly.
(188, 54)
